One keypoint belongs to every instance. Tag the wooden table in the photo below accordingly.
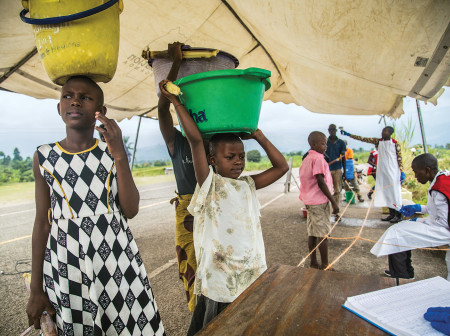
(288, 300)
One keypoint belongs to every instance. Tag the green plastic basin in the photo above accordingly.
(225, 101)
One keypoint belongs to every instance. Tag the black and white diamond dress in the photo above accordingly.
(93, 272)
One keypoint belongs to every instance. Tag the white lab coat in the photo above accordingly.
(388, 191)
(431, 231)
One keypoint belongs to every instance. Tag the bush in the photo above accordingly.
(361, 157)
(404, 136)
(27, 176)
(145, 164)
(15, 170)
(160, 163)
(299, 153)
(254, 156)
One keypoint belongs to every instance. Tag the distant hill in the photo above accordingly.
(286, 143)
(152, 153)
(159, 152)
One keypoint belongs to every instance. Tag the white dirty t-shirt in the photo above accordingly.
(228, 241)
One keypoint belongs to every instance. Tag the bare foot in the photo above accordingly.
(314, 266)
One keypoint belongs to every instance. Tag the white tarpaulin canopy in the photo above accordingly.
(339, 57)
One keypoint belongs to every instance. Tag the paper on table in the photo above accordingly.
(400, 309)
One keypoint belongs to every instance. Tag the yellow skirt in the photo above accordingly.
(184, 244)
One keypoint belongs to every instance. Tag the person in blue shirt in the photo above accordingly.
(336, 155)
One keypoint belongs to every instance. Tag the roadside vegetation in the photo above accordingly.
(15, 169)
(404, 135)
(16, 173)
(151, 171)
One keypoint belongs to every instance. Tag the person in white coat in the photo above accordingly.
(390, 173)
(430, 231)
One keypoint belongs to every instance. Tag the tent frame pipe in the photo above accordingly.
(422, 129)
(18, 65)
(143, 115)
(251, 33)
(287, 184)
(135, 142)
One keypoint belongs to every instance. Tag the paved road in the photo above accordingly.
(284, 231)
(153, 229)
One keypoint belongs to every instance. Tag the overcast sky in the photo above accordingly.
(27, 123)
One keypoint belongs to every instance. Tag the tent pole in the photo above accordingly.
(135, 143)
(422, 130)
(287, 184)
(383, 117)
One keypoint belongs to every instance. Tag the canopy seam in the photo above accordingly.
(251, 33)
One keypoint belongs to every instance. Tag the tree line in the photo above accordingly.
(15, 168)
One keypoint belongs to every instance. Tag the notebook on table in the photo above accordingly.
(399, 310)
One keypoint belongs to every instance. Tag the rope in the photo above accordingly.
(358, 237)
(355, 240)
(327, 235)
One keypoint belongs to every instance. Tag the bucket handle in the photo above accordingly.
(66, 18)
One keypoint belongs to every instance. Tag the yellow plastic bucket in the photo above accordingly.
(76, 37)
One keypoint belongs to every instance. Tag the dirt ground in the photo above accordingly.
(284, 230)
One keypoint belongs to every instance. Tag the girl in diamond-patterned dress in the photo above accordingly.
(86, 268)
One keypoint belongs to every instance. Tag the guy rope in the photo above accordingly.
(358, 236)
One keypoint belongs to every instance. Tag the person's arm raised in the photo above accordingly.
(193, 135)
(373, 141)
(279, 164)
(164, 117)
(38, 300)
(127, 190)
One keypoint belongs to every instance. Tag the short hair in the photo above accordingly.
(314, 136)
(425, 160)
(390, 129)
(222, 138)
(91, 81)
(332, 125)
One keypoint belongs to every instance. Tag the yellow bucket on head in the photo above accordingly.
(71, 46)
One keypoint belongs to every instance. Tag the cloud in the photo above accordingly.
(28, 122)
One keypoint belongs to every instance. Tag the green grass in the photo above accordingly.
(370, 181)
(418, 190)
(361, 157)
(151, 175)
(144, 180)
(148, 171)
(404, 135)
(15, 192)
(265, 163)
(261, 165)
